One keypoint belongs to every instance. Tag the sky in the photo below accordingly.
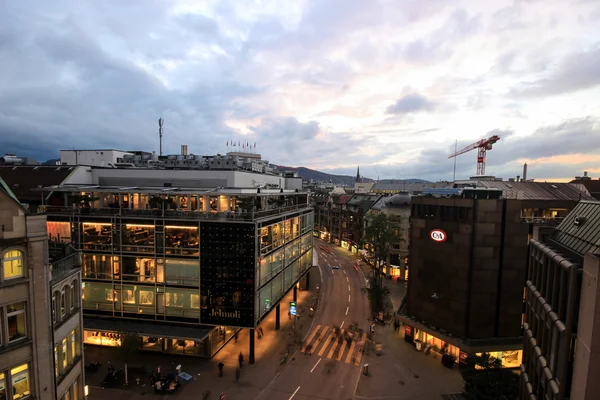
(392, 86)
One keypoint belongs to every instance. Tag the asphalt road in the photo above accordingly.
(328, 366)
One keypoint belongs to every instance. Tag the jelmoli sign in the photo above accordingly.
(225, 314)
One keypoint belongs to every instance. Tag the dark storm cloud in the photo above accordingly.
(410, 103)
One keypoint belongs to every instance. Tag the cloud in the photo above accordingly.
(577, 71)
(410, 103)
(389, 85)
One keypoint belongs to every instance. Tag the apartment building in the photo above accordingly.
(26, 360)
(67, 320)
(562, 310)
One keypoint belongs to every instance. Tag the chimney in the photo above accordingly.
(525, 172)
(585, 174)
(184, 150)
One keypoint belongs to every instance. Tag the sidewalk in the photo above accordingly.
(268, 352)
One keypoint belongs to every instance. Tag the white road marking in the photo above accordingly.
(345, 273)
(347, 280)
(296, 391)
(348, 298)
(347, 308)
(313, 368)
(348, 287)
(342, 325)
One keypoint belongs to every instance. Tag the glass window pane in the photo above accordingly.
(12, 264)
(73, 344)
(19, 377)
(181, 272)
(97, 266)
(138, 238)
(16, 321)
(97, 236)
(64, 353)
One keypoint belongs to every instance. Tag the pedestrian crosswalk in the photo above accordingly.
(345, 345)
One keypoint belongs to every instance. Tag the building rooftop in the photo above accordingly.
(579, 231)
(592, 186)
(395, 201)
(531, 190)
(23, 179)
(166, 190)
(143, 328)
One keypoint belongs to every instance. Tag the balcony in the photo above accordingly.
(548, 221)
(64, 261)
(173, 214)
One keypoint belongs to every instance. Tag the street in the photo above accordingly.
(328, 365)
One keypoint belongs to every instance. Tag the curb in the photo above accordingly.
(293, 355)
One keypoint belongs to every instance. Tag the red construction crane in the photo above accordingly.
(482, 147)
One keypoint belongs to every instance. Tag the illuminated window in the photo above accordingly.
(73, 344)
(56, 360)
(19, 378)
(12, 264)
(65, 362)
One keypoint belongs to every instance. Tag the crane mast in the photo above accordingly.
(482, 147)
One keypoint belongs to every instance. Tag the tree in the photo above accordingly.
(247, 203)
(485, 379)
(377, 295)
(130, 344)
(381, 235)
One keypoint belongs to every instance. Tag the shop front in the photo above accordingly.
(345, 244)
(426, 342)
(185, 340)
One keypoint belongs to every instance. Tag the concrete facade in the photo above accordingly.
(96, 158)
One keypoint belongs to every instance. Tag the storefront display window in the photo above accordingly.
(101, 338)
(173, 298)
(146, 297)
(129, 293)
(96, 295)
(19, 378)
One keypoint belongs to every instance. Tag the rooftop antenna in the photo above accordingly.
(455, 150)
(160, 125)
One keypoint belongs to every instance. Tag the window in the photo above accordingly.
(12, 264)
(19, 378)
(65, 361)
(16, 322)
(72, 297)
(53, 309)
(63, 307)
(56, 360)
(73, 344)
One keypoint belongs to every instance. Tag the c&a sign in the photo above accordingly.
(438, 235)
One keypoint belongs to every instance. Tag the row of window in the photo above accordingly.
(273, 263)
(141, 269)
(72, 392)
(12, 265)
(443, 213)
(66, 353)
(64, 302)
(14, 323)
(275, 235)
(15, 383)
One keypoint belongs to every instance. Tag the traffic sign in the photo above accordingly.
(438, 235)
(292, 308)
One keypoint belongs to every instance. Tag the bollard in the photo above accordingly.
(366, 369)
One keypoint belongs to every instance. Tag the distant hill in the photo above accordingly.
(318, 176)
(347, 180)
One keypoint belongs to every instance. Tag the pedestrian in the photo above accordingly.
(241, 360)
(220, 366)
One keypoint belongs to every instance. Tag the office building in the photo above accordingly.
(468, 251)
(562, 311)
(183, 257)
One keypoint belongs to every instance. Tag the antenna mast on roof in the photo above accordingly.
(160, 125)
(455, 151)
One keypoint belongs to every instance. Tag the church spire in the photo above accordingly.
(358, 174)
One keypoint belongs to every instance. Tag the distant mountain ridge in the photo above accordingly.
(346, 180)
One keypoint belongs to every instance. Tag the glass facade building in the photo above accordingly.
(220, 273)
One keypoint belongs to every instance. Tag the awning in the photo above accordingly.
(153, 329)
